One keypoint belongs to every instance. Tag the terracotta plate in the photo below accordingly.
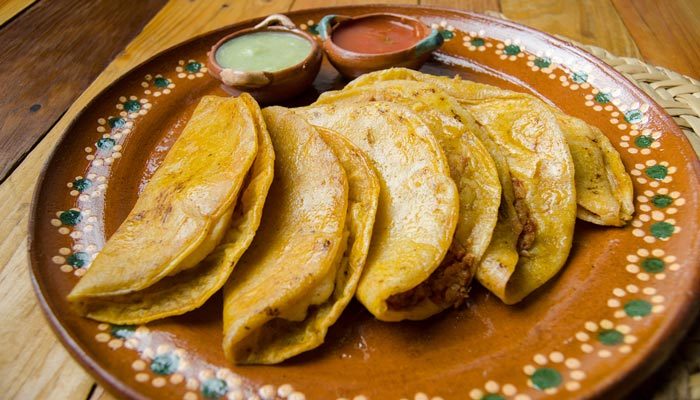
(614, 313)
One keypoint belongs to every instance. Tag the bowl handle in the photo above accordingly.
(430, 43)
(250, 80)
(276, 19)
(327, 23)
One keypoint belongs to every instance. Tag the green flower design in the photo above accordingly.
(579, 77)
(512, 50)
(543, 62)
(116, 122)
(123, 331)
(662, 230)
(603, 98)
(661, 200)
(477, 42)
(653, 265)
(165, 364)
(79, 259)
(643, 141)
(105, 143)
(546, 378)
(132, 106)
(637, 308)
(214, 388)
(193, 67)
(634, 116)
(70, 217)
(82, 184)
(610, 337)
(161, 82)
(657, 172)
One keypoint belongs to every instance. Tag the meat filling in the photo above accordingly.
(447, 286)
(529, 232)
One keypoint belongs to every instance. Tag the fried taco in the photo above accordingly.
(211, 186)
(542, 173)
(604, 190)
(291, 285)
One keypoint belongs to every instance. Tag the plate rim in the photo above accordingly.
(645, 361)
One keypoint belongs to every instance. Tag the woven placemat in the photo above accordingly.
(679, 95)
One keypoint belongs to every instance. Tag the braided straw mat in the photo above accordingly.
(679, 95)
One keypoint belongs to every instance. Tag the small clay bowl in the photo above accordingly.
(352, 64)
(269, 86)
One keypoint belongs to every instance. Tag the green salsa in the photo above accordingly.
(263, 51)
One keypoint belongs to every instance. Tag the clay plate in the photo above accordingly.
(598, 328)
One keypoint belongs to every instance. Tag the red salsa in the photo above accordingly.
(376, 35)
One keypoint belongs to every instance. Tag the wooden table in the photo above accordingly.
(58, 54)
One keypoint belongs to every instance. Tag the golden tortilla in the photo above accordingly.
(180, 217)
(281, 339)
(185, 291)
(418, 201)
(293, 261)
(603, 188)
(543, 181)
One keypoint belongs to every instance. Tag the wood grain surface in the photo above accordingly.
(52, 49)
(667, 32)
(10, 8)
(55, 55)
(586, 21)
